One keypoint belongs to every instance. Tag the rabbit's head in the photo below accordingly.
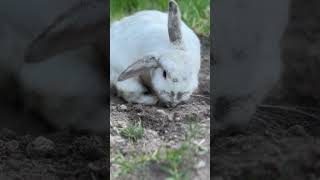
(170, 71)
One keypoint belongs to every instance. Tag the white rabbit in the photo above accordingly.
(69, 88)
(154, 56)
(247, 36)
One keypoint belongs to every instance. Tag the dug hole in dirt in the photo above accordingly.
(282, 143)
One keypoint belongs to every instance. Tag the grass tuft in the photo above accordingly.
(133, 132)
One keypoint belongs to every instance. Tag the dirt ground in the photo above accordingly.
(32, 151)
(164, 127)
(54, 156)
(282, 143)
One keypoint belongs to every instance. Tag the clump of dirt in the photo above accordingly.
(282, 142)
(164, 127)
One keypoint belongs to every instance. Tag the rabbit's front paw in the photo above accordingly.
(148, 99)
(140, 98)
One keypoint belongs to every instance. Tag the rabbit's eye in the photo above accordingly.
(164, 74)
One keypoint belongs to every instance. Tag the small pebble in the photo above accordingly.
(116, 140)
(176, 116)
(123, 107)
(162, 112)
(12, 146)
(200, 164)
(41, 146)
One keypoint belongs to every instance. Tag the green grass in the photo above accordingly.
(133, 131)
(176, 162)
(171, 161)
(196, 13)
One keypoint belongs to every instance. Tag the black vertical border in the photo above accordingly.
(212, 70)
(107, 64)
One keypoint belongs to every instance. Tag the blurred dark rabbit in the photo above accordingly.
(246, 38)
(56, 50)
(301, 55)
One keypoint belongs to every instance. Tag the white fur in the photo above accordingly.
(146, 33)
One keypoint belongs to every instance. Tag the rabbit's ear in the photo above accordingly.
(141, 66)
(174, 24)
(85, 23)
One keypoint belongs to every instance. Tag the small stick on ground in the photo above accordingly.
(200, 96)
(292, 109)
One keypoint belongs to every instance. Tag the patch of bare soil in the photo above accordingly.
(164, 127)
(52, 157)
(282, 143)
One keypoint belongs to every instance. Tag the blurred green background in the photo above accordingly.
(196, 13)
